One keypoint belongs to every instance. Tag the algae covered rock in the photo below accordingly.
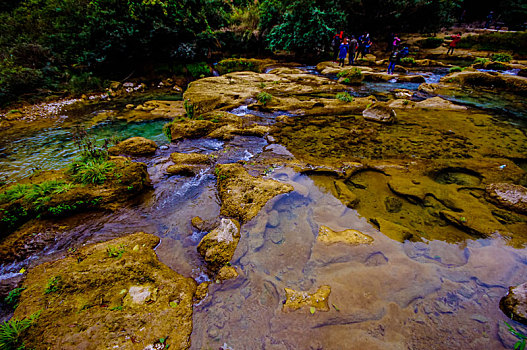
(218, 246)
(190, 158)
(242, 195)
(514, 304)
(182, 170)
(379, 113)
(227, 273)
(354, 237)
(114, 294)
(135, 146)
(318, 300)
(190, 129)
(509, 196)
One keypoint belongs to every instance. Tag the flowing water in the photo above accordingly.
(430, 294)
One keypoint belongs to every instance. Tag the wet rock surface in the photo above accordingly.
(510, 196)
(218, 246)
(327, 235)
(135, 146)
(111, 294)
(318, 300)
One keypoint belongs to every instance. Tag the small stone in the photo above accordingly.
(274, 219)
(354, 237)
(227, 273)
(295, 300)
(479, 318)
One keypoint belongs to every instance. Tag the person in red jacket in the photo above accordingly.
(455, 39)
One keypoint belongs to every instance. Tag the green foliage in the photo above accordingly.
(501, 57)
(480, 60)
(115, 252)
(408, 61)
(520, 344)
(305, 26)
(54, 285)
(91, 171)
(189, 109)
(430, 43)
(12, 331)
(84, 82)
(455, 69)
(198, 70)
(13, 297)
(351, 76)
(235, 65)
(344, 96)
(264, 97)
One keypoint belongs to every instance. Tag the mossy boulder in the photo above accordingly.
(189, 129)
(114, 294)
(318, 300)
(242, 195)
(230, 65)
(190, 158)
(352, 237)
(218, 246)
(514, 304)
(134, 146)
(509, 196)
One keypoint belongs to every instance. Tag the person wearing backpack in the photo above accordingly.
(395, 57)
(335, 46)
(353, 45)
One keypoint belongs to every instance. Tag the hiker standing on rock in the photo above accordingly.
(394, 60)
(343, 51)
(353, 45)
(335, 45)
(455, 39)
(395, 42)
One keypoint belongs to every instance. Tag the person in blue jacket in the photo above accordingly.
(343, 51)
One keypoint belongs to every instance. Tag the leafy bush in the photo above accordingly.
(408, 61)
(480, 60)
(189, 109)
(501, 57)
(351, 76)
(198, 70)
(344, 96)
(235, 65)
(84, 82)
(430, 43)
(455, 69)
(264, 97)
(12, 331)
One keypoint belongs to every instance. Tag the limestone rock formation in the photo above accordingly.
(509, 196)
(295, 300)
(113, 294)
(514, 304)
(242, 195)
(380, 113)
(135, 146)
(218, 246)
(354, 237)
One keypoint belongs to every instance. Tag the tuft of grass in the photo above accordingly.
(407, 61)
(189, 109)
(91, 171)
(501, 57)
(344, 96)
(480, 60)
(115, 252)
(12, 331)
(520, 344)
(13, 297)
(455, 69)
(54, 284)
(264, 97)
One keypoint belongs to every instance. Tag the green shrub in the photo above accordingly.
(455, 69)
(264, 97)
(344, 96)
(13, 297)
(480, 60)
(84, 82)
(198, 70)
(430, 43)
(501, 57)
(235, 65)
(351, 76)
(12, 331)
(407, 61)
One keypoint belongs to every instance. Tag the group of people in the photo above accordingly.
(352, 48)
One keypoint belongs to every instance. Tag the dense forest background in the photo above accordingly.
(74, 44)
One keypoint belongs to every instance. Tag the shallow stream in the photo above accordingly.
(430, 294)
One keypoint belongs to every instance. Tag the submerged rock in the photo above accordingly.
(379, 113)
(295, 300)
(509, 196)
(218, 246)
(114, 294)
(242, 195)
(227, 273)
(514, 304)
(135, 146)
(354, 237)
(345, 195)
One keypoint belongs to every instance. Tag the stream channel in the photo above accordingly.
(430, 294)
